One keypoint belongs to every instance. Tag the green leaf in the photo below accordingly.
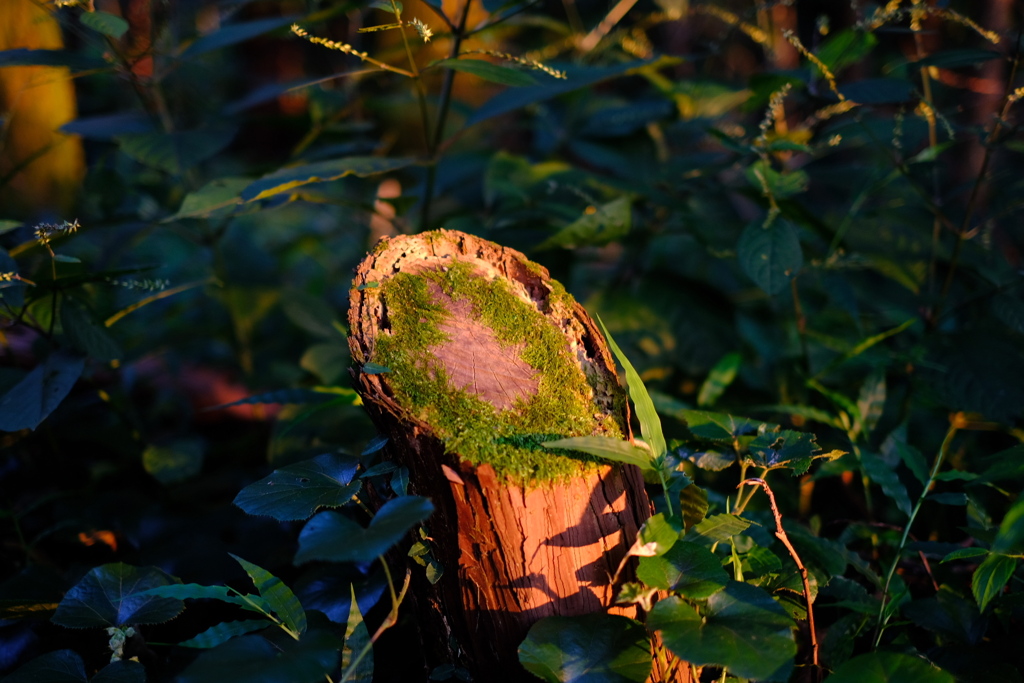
(232, 34)
(770, 256)
(844, 48)
(882, 474)
(489, 72)
(948, 498)
(39, 393)
(719, 379)
(107, 24)
(59, 666)
(688, 569)
(889, 667)
(195, 591)
(288, 179)
(598, 226)
(717, 528)
(595, 648)
(913, 459)
(657, 535)
(254, 659)
(217, 198)
(278, 596)
(174, 462)
(328, 361)
(785, 448)
(990, 578)
(112, 595)
(693, 502)
(357, 638)
(223, 632)
(963, 554)
(333, 537)
(607, 448)
(375, 369)
(871, 401)
(299, 490)
(718, 426)
(1010, 539)
(650, 423)
(780, 185)
(64, 258)
(175, 152)
(294, 397)
(75, 61)
(86, 335)
(742, 629)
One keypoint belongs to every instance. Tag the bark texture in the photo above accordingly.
(511, 554)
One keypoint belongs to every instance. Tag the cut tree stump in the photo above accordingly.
(484, 357)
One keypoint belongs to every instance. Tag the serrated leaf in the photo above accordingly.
(357, 638)
(689, 569)
(650, 423)
(223, 632)
(607, 448)
(889, 667)
(333, 537)
(598, 226)
(771, 256)
(175, 152)
(114, 595)
(39, 393)
(107, 24)
(60, 666)
(495, 73)
(713, 461)
(278, 596)
(785, 448)
(963, 554)
(717, 528)
(299, 490)
(601, 648)
(742, 628)
(290, 178)
(719, 379)
(879, 472)
(719, 426)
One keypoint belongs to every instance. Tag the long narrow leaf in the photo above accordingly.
(221, 633)
(650, 423)
(607, 448)
(278, 596)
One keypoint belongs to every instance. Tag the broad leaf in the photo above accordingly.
(693, 504)
(299, 490)
(277, 595)
(87, 335)
(607, 448)
(288, 179)
(333, 537)
(254, 659)
(657, 535)
(717, 528)
(105, 23)
(889, 667)
(488, 71)
(591, 648)
(175, 152)
(1010, 539)
(598, 226)
(770, 256)
(687, 568)
(223, 632)
(32, 399)
(718, 426)
(783, 449)
(174, 462)
(650, 423)
(218, 197)
(742, 629)
(991, 577)
(114, 595)
(883, 475)
(59, 666)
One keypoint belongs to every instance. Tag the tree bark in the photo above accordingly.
(512, 553)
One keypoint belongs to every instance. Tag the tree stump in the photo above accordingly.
(484, 357)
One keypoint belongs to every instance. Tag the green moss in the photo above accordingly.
(507, 439)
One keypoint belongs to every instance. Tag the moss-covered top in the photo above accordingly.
(467, 424)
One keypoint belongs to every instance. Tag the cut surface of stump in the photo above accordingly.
(486, 358)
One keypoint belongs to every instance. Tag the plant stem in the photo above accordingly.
(442, 117)
(939, 459)
(780, 533)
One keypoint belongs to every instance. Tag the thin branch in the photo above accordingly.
(780, 533)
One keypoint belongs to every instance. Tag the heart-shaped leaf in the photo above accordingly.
(334, 537)
(298, 490)
(687, 568)
(742, 629)
(111, 595)
(597, 648)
